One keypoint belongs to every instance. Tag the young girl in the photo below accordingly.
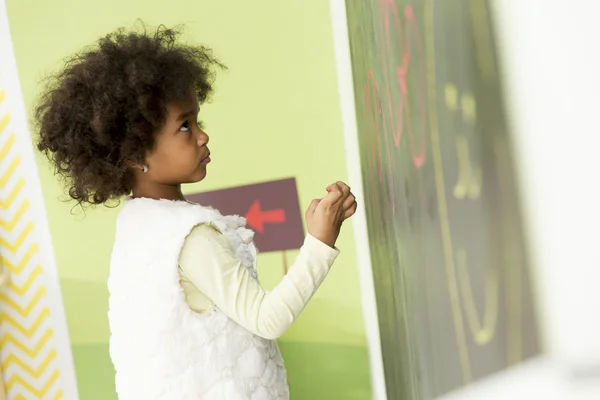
(188, 317)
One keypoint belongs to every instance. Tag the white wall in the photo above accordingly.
(551, 54)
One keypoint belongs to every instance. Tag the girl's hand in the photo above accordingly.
(325, 216)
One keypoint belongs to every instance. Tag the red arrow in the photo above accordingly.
(256, 218)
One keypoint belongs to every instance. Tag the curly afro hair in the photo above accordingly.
(100, 114)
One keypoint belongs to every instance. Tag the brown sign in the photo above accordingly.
(271, 209)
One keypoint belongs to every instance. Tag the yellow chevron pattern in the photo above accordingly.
(4, 120)
(28, 355)
(14, 246)
(10, 226)
(16, 269)
(6, 203)
(21, 290)
(19, 327)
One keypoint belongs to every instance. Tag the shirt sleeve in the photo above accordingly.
(209, 263)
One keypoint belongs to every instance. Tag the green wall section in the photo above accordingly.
(275, 114)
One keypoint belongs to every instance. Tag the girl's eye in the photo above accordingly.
(185, 127)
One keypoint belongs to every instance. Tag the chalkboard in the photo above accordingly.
(447, 249)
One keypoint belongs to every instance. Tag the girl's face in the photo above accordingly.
(181, 153)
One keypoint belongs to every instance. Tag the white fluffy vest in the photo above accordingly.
(160, 348)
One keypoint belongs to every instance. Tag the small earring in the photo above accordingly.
(144, 168)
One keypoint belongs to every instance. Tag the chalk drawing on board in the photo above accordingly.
(449, 266)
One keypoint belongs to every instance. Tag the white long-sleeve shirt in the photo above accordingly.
(212, 276)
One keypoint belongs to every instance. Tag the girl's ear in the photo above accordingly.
(133, 165)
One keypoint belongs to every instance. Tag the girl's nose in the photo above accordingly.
(203, 138)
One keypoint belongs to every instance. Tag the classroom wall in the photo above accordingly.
(275, 115)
